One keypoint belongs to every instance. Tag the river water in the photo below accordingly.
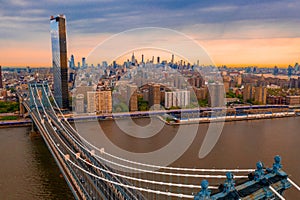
(28, 171)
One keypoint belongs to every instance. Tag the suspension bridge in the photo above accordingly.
(94, 173)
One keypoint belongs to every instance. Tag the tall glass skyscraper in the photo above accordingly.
(59, 60)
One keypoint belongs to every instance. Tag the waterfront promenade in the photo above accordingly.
(229, 118)
(15, 123)
(179, 116)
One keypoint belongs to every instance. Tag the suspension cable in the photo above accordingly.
(144, 164)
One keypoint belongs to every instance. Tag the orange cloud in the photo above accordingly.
(232, 52)
(25, 54)
(259, 52)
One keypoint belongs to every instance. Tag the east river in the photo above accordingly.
(28, 171)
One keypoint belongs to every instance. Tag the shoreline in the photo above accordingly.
(202, 120)
(15, 123)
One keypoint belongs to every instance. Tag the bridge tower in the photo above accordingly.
(39, 91)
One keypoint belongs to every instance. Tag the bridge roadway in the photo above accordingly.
(82, 185)
(73, 181)
(86, 154)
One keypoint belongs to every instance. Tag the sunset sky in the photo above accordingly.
(233, 32)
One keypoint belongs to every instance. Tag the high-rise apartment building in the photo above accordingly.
(91, 102)
(154, 96)
(59, 60)
(99, 101)
(180, 98)
(248, 92)
(226, 82)
(104, 101)
(196, 81)
(256, 94)
(216, 95)
(201, 93)
(132, 97)
(79, 103)
(168, 99)
(260, 95)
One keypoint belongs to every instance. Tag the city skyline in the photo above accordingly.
(234, 33)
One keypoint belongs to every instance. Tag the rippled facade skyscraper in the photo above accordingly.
(59, 60)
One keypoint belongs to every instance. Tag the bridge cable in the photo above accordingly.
(143, 180)
(149, 165)
(36, 106)
(113, 182)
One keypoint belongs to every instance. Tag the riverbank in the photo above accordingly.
(201, 120)
(15, 123)
(27, 122)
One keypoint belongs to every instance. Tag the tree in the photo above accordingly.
(12, 90)
(203, 102)
(230, 94)
(121, 107)
(8, 107)
(142, 104)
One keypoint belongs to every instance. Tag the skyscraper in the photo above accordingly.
(132, 59)
(72, 62)
(83, 62)
(275, 71)
(59, 60)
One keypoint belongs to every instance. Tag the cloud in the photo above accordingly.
(218, 9)
(261, 52)
(233, 19)
(114, 16)
(19, 2)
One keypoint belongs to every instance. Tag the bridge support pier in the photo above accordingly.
(34, 131)
(21, 107)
